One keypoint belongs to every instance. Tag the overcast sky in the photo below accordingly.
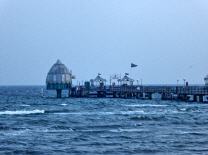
(167, 39)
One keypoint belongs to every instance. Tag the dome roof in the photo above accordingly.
(126, 78)
(99, 79)
(59, 68)
(59, 73)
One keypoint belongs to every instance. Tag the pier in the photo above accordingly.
(60, 78)
(183, 93)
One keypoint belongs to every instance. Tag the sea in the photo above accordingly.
(33, 124)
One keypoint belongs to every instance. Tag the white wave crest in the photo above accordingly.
(103, 113)
(16, 133)
(126, 130)
(25, 105)
(64, 104)
(22, 112)
(132, 112)
(146, 105)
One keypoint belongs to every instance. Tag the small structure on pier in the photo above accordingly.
(115, 79)
(59, 78)
(98, 81)
(126, 80)
(206, 80)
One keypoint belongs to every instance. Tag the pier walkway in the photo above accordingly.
(186, 93)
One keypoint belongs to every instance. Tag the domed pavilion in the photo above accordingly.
(59, 78)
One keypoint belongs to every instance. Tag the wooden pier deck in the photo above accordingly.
(186, 93)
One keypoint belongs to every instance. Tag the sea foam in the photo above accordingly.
(146, 105)
(22, 112)
(102, 113)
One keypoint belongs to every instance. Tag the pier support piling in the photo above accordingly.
(59, 92)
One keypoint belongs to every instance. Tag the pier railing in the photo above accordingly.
(185, 93)
(183, 90)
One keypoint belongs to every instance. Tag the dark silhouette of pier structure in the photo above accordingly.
(60, 78)
(184, 93)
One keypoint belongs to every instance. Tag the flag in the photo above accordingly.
(133, 65)
(126, 74)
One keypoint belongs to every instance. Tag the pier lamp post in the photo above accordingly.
(137, 82)
(110, 79)
(141, 81)
(177, 82)
(184, 80)
(177, 86)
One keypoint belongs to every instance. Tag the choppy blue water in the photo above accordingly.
(31, 124)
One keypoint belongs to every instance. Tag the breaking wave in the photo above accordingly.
(64, 104)
(101, 113)
(127, 130)
(146, 105)
(22, 112)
